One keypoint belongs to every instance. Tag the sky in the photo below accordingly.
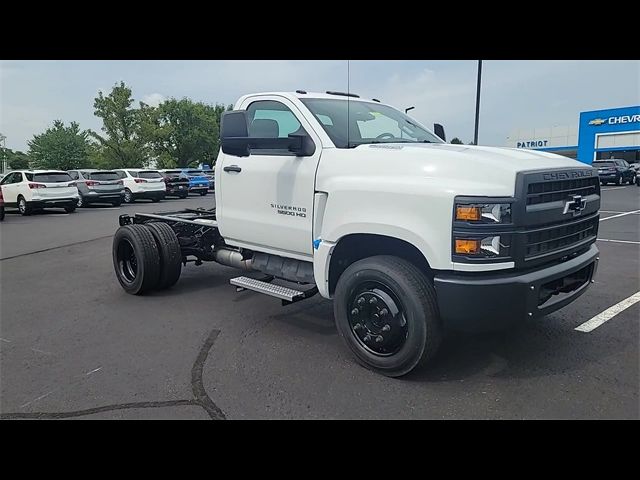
(514, 94)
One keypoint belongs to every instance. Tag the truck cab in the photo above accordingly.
(407, 234)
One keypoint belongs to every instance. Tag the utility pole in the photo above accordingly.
(3, 167)
(475, 135)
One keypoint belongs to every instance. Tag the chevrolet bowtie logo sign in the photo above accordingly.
(597, 121)
(575, 205)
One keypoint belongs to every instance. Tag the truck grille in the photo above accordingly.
(545, 192)
(556, 238)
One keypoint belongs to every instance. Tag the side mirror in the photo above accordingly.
(234, 134)
(439, 131)
(301, 144)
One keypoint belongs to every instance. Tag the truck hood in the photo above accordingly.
(474, 170)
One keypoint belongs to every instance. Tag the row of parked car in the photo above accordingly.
(29, 190)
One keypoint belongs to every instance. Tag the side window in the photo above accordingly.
(17, 177)
(133, 174)
(73, 174)
(271, 119)
(8, 179)
(121, 174)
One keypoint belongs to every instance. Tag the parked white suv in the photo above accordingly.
(142, 183)
(36, 189)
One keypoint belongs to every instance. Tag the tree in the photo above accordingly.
(59, 147)
(457, 141)
(183, 133)
(123, 144)
(18, 161)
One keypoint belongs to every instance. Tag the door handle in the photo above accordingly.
(232, 168)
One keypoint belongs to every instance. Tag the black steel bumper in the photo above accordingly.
(490, 301)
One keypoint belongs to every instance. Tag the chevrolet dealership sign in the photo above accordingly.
(615, 120)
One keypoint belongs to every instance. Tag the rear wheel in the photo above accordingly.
(117, 203)
(386, 312)
(70, 209)
(136, 259)
(170, 253)
(23, 206)
(128, 196)
(80, 203)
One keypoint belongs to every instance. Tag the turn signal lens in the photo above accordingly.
(466, 213)
(466, 247)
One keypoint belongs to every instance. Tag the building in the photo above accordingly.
(611, 133)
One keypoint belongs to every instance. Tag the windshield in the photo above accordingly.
(103, 176)
(352, 123)
(49, 177)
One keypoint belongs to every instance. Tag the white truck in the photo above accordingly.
(408, 235)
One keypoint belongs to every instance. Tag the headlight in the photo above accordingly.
(485, 247)
(483, 213)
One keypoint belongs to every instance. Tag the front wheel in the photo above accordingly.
(128, 196)
(69, 209)
(386, 312)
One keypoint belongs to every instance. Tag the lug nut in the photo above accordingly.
(355, 311)
(373, 300)
(367, 338)
(403, 322)
(357, 326)
(384, 312)
(361, 301)
(386, 328)
(379, 339)
(376, 316)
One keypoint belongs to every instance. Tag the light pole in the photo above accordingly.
(475, 135)
(4, 152)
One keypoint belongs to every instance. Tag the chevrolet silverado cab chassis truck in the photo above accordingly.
(408, 235)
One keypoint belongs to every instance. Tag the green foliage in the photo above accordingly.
(183, 133)
(59, 147)
(456, 141)
(122, 144)
(15, 160)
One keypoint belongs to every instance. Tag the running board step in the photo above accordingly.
(278, 291)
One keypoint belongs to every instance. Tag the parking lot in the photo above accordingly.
(73, 344)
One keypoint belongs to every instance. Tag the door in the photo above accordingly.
(265, 200)
(10, 188)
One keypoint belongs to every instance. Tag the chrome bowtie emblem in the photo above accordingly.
(575, 205)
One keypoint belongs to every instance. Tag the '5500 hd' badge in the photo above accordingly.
(289, 210)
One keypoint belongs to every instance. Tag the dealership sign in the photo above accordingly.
(615, 120)
(533, 144)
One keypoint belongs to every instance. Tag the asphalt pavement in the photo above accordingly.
(73, 344)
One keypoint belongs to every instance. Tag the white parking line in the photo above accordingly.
(619, 215)
(614, 188)
(608, 314)
(614, 211)
(617, 241)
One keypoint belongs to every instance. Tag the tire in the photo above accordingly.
(170, 254)
(23, 207)
(80, 203)
(632, 180)
(203, 193)
(619, 180)
(136, 259)
(1, 213)
(128, 196)
(397, 286)
(155, 199)
(117, 203)
(183, 196)
(70, 209)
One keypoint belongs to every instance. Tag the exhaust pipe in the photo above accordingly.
(231, 258)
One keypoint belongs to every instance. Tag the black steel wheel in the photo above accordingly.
(386, 312)
(136, 259)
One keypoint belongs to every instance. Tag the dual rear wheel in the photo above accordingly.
(146, 257)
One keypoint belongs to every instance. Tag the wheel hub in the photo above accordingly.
(377, 320)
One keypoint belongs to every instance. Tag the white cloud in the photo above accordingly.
(154, 99)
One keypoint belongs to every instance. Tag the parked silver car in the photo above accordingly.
(98, 186)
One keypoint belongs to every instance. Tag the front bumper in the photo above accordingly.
(491, 301)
